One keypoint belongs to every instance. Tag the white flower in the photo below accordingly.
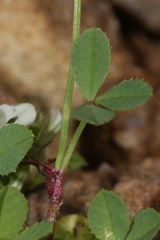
(24, 114)
(54, 120)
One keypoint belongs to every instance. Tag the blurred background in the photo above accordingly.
(35, 44)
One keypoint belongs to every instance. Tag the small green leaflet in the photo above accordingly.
(15, 141)
(127, 95)
(93, 114)
(145, 225)
(76, 162)
(108, 217)
(90, 61)
(38, 231)
(13, 212)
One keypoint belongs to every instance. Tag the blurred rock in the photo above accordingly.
(31, 55)
(146, 52)
(36, 42)
(146, 12)
(6, 97)
(38, 205)
(140, 188)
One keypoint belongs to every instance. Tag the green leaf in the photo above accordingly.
(15, 141)
(13, 212)
(108, 217)
(90, 61)
(127, 95)
(73, 227)
(76, 162)
(37, 125)
(93, 114)
(39, 231)
(145, 225)
(17, 178)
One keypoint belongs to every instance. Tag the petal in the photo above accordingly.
(26, 114)
(54, 120)
(6, 113)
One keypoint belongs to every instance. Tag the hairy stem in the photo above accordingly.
(54, 177)
(69, 91)
(72, 145)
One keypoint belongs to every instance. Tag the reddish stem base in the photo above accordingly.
(53, 179)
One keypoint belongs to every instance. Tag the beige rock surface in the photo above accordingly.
(32, 64)
(146, 11)
(35, 46)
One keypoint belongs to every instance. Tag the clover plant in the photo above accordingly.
(24, 136)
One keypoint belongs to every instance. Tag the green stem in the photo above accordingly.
(69, 91)
(72, 145)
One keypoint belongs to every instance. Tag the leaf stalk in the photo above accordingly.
(69, 91)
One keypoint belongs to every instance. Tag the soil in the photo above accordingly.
(124, 155)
